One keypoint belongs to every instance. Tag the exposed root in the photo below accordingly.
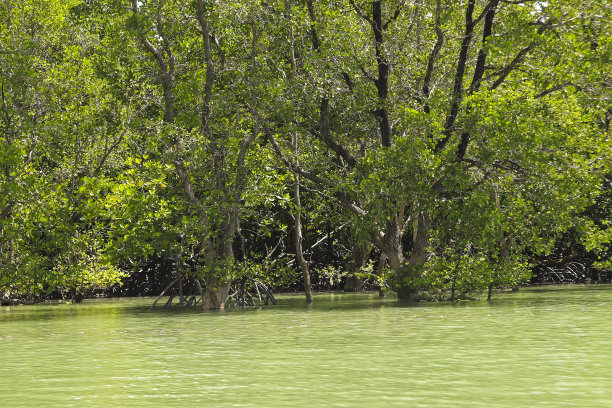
(243, 293)
(163, 293)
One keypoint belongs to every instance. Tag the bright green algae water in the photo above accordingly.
(547, 346)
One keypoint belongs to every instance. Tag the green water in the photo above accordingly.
(539, 347)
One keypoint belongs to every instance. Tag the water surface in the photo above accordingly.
(548, 346)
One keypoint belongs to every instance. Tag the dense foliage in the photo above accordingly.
(438, 147)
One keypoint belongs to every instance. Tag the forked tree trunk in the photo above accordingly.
(407, 272)
(393, 249)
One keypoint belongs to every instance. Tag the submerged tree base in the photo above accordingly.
(17, 302)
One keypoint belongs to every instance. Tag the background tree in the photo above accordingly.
(56, 116)
(466, 141)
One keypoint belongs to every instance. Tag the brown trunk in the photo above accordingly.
(217, 284)
(298, 237)
(382, 82)
(408, 273)
(394, 251)
(359, 258)
(380, 272)
(215, 294)
(298, 234)
(300, 256)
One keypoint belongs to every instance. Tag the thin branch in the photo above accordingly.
(166, 73)
(209, 64)
(395, 15)
(291, 166)
(504, 72)
(360, 13)
(163, 293)
(339, 195)
(551, 90)
(485, 10)
(326, 236)
(108, 151)
(520, 56)
(518, 1)
(116, 143)
(366, 73)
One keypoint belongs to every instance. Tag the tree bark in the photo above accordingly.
(380, 272)
(406, 274)
(382, 82)
(297, 216)
(298, 236)
(459, 74)
(215, 294)
(360, 255)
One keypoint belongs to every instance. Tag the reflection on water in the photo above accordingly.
(540, 347)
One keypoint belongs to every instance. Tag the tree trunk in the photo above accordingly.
(215, 294)
(406, 274)
(394, 251)
(217, 282)
(298, 235)
(298, 238)
(359, 256)
(380, 272)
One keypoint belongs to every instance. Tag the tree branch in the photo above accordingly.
(210, 73)
(360, 13)
(165, 42)
(327, 139)
(166, 73)
(479, 70)
(432, 58)
(551, 90)
(397, 13)
(316, 43)
(154, 51)
(504, 72)
(485, 10)
(458, 86)
(340, 196)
